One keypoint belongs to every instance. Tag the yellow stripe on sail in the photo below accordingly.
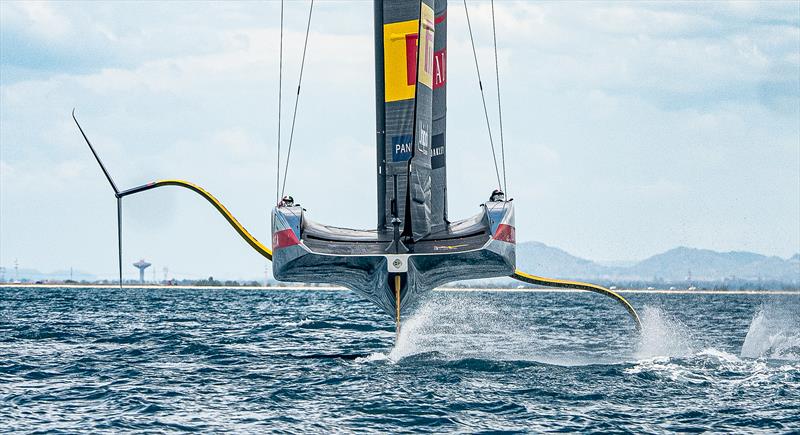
(396, 63)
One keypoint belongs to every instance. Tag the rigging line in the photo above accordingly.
(296, 100)
(483, 97)
(499, 107)
(280, 86)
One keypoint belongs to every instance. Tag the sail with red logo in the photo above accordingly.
(414, 246)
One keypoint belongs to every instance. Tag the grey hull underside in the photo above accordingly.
(368, 275)
(358, 259)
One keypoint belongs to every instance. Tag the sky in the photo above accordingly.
(629, 128)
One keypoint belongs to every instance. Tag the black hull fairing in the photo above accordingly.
(364, 261)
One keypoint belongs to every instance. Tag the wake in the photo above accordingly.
(460, 327)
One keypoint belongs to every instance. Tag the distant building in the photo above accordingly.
(141, 265)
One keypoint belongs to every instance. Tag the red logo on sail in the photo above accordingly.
(439, 60)
(401, 46)
(439, 63)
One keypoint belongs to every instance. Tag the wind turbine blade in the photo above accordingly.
(96, 156)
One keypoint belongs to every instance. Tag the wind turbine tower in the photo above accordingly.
(141, 265)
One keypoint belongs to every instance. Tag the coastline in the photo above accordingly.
(441, 289)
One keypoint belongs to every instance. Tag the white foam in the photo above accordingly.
(457, 326)
(663, 336)
(302, 322)
(377, 356)
(667, 350)
(774, 333)
(419, 332)
(720, 356)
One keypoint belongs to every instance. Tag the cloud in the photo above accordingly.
(676, 55)
(621, 122)
(39, 18)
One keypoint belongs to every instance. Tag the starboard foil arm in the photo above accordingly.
(562, 283)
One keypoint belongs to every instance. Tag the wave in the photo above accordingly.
(304, 322)
(718, 368)
(668, 349)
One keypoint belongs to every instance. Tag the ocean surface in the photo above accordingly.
(233, 360)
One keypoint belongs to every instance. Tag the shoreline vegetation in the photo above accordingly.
(300, 287)
(697, 285)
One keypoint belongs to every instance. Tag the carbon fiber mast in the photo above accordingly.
(410, 103)
(116, 194)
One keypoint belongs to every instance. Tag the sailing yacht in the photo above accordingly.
(415, 246)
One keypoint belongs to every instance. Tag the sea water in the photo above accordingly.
(163, 360)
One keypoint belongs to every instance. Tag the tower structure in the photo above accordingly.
(141, 265)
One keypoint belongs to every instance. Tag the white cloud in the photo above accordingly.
(40, 18)
(622, 120)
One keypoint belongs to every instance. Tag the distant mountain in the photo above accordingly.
(673, 265)
(540, 259)
(707, 265)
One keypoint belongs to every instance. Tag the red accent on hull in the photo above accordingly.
(505, 233)
(284, 238)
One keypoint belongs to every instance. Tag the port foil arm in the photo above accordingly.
(255, 244)
(252, 241)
